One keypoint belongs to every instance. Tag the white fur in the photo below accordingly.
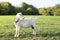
(24, 23)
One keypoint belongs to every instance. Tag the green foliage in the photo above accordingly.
(43, 11)
(50, 10)
(56, 10)
(6, 8)
(29, 9)
(24, 5)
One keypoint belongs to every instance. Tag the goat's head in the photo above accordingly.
(20, 14)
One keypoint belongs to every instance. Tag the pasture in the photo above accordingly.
(47, 27)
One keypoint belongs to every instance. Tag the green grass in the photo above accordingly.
(47, 27)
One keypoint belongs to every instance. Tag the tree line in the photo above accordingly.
(7, 8)
(51, 11)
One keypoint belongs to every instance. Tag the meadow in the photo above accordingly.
(47, 27)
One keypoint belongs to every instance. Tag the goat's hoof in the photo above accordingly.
(16, 35)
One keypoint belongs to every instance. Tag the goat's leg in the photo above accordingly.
(17, 31)
(34, 30)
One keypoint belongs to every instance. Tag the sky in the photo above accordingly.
(35, 3)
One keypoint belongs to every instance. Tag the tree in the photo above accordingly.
(28, 9)
(49, 11)
(56, 10)
(43, 11)
(24, 5)
(5, 7)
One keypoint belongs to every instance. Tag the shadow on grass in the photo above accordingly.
(26, 35)
(48, 34)
(39, 35)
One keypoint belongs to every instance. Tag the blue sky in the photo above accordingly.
(36, 3)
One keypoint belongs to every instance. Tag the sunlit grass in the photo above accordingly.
(47, 27)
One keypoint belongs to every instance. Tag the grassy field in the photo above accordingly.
(48, 28)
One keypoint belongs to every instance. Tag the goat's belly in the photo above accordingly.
(25, 25)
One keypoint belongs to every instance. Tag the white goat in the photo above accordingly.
(20, 21)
